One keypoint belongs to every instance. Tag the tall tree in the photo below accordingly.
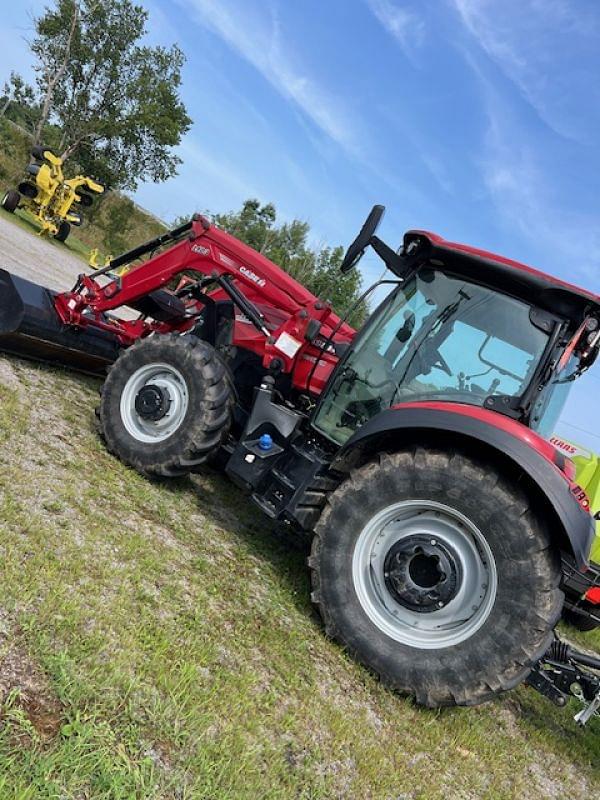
(114, 98)
(287, 245)
(54, 60)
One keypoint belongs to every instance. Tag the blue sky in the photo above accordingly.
(477, 119)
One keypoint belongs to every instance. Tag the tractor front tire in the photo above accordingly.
(64, 229)
(166, 404)
(11, 200)
(431, 569)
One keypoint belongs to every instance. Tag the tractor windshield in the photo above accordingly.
(437, 337)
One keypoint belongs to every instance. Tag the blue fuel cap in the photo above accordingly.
(265, 442)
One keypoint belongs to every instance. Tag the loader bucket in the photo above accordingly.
(31, 328)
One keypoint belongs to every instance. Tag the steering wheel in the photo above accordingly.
(429, 357)
(360, 244)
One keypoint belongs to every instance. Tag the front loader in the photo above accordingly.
(415, 451)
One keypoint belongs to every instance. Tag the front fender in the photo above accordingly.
(450, 423)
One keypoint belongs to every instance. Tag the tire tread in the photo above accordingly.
(207, 427)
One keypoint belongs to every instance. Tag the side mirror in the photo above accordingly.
(360, 244)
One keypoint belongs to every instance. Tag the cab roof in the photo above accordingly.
(512, 277)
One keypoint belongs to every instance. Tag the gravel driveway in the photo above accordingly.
(36, 259)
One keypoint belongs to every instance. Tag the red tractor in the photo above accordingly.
(445, 526)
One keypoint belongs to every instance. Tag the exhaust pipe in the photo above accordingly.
(31, 328)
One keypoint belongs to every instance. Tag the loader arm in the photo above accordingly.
(275, 316)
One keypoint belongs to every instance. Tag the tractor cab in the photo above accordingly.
(439, 337)
(464, 326)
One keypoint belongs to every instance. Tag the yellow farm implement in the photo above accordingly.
(49, 196)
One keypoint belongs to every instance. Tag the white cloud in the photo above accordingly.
(257, 39)
(215, 170)
(539, 45)
(404, 25)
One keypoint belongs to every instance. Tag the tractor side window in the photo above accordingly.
(552, 400)
(483, 363)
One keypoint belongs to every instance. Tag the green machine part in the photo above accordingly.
(587, 465)
(588, 477)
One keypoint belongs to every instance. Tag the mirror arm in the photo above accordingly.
(393, 261)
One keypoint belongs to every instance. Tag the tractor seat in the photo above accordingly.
(162, 305)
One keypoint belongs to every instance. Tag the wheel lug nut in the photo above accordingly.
(433, 542)
(440, 604)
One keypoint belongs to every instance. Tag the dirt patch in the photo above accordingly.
(25, 687)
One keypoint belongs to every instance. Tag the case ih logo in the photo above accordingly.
(253, 277)
(200, 249)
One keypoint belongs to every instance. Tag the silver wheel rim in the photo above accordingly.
(170, 380)
(476, 591)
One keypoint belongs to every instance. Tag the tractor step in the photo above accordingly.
(265, 506)
(31, 328)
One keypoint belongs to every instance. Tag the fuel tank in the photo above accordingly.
(31, 328)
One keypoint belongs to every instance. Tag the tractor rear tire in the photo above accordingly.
(62, 234)
(166, 405)
(11, 200)
(433, 571)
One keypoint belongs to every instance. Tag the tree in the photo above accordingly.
(287, 245)
(55, 58)
(115, 100)
(16, 91)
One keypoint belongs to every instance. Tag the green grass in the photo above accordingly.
(157, 641)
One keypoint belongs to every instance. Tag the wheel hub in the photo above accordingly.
(152, 402)
(421, 573)
(409, 552)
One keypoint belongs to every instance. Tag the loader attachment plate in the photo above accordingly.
(31, 328)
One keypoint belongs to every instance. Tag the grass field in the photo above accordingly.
(157, 641)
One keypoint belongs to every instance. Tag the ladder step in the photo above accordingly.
(265, 506)
(283, 479)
